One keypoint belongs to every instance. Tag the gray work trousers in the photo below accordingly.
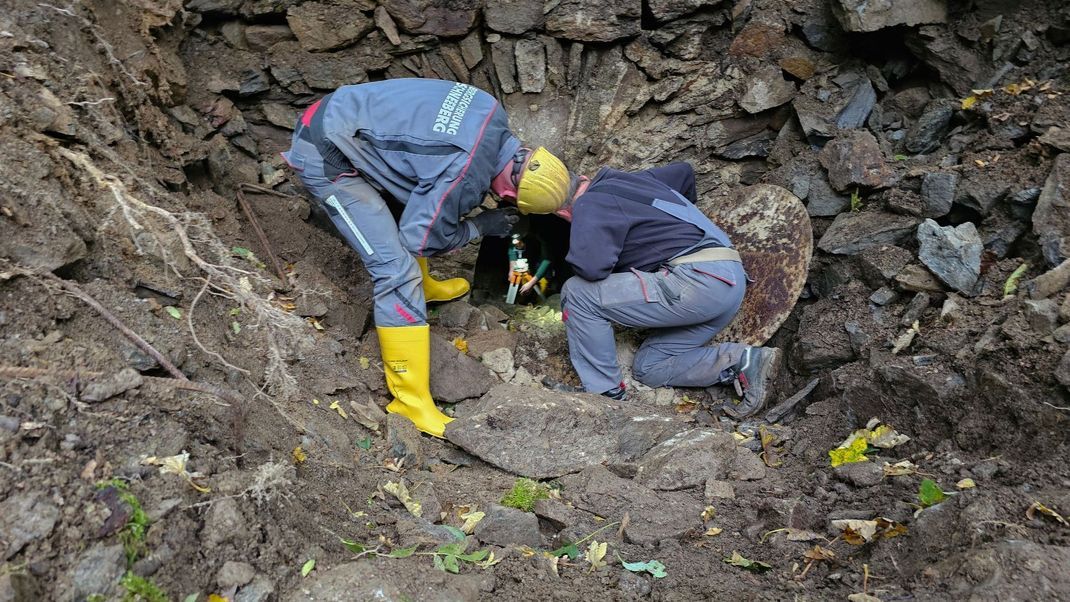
(687, 305)
(364, 219)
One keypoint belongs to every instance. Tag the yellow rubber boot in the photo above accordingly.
(441, 290)
(407, 363)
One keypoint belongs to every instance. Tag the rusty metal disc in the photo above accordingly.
(771, 230)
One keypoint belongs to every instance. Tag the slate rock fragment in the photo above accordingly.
(854, 159)
(953, 254)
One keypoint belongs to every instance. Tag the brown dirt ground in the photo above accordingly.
(1003, 435)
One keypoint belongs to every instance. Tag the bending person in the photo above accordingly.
(437, 148)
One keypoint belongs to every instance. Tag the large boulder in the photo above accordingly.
(927, 132)
(938, 193)
(454, 375)
(535, 433)
(823, 341)
(766, 89)
(952, 253)
(504, 526)
(97, 572)
(530, 65)
(25, 517)
(959, 64)
(446, 19)
(385, 579)
(871, 15)
(688, 459)
(594, 20)
(545, 434)
(822, 200)
(513, 16)
(326, 26)
(43, 230)
(301, 71)
(665, 10)
(1051, 219)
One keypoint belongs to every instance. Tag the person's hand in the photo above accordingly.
(496, 222)
(530, 284)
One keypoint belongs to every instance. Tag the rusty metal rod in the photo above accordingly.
(260, 233)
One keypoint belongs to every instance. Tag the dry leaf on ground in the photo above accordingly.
(176, 465)
(1035, 507)
(400, 491)
(471, 519)
(595, 554)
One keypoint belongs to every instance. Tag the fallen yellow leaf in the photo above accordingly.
(364, 362)
(176, 465)
(461, 344)
(966, 484)
(471, 519)
(595, 554)
(854, 452)
(714, 531)
(817, 553)
(886, 437)
(1041, 508)
(400, 491)
(708, 513)
(337, 407)
(299, 455)
(900, 469)
(491, 561)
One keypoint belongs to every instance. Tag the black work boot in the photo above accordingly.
(618, 393)
(753, 377)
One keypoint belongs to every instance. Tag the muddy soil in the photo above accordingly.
(126, 128)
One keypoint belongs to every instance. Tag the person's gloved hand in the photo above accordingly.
(496, 222)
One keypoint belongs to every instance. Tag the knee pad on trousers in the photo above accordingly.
(645, 367)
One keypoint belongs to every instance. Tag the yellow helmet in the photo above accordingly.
(544, 183)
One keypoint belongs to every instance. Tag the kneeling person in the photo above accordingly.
(646, 257)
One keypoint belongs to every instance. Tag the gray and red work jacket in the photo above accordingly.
(432, 145)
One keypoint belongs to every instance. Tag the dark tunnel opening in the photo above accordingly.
(544, 237)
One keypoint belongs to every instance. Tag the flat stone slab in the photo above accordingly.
(853, 232)
(545, 434)
(383, 579)
(652, 517)
(688, 460)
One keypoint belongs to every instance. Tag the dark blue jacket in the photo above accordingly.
(616, 225)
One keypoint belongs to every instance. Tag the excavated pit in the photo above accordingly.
(126, 128)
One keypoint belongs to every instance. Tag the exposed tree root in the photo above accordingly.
(284, 334)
